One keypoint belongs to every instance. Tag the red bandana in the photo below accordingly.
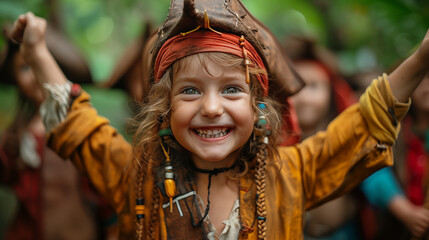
(180, 46)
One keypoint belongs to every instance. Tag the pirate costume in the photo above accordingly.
(277, 190)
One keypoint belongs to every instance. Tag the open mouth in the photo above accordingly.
(212, 132)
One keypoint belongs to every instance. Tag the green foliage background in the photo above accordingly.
(364, 34)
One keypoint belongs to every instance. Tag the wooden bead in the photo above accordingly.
(140, 209)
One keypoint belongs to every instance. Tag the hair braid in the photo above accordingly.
(139, 195)
(154, 214)
(261, 208)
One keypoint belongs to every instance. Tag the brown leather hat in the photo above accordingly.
(71, 62)
(228, 16)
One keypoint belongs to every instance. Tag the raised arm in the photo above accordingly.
(29, 31)
(405, 78)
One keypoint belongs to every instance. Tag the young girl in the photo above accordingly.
(204, 162)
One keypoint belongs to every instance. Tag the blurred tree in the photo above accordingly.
(364, 33)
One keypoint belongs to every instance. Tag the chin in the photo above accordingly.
(213, 159)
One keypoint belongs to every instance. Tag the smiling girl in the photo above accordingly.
(205, 162)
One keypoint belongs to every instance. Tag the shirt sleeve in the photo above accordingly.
(381, 110)
(54, 108)
(354, 145)
(96, 149)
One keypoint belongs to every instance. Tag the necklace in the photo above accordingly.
(215, 172)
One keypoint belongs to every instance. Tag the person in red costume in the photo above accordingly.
(54, 200)
(326, 95)
(416, 136)
(412, 170)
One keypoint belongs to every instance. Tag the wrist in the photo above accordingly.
(419, 61)
(36, 54)
(400, 207)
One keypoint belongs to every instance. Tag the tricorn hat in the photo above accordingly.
(228, 16)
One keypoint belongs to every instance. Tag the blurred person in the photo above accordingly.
(54, 200)
(409, 214)
(324, 96)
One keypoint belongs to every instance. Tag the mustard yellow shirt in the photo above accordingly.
(357, 143)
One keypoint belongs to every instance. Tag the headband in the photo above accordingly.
(183, 45)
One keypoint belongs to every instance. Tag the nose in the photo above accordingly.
(211, 106)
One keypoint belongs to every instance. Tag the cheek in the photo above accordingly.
(312, 104)
(322, 99)
(181, 115)
(321, 104)
(244, 116)
(177, 117)
(298, 99)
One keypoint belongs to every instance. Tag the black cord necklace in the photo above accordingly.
(215, 172)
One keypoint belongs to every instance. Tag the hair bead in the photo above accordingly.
(169, 183)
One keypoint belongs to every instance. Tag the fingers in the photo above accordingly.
(418, 232)
(421, 224)
(425, 215)
(24, 22)
(17, 32)
(28, 30)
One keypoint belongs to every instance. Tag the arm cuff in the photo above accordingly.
(381, 110)
(54, 108)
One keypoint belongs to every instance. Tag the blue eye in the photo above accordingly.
(190, 91)
(231, 90)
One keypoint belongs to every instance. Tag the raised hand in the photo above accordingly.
(29, 31)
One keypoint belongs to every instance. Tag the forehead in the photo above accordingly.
(312, 72)
(212, 65)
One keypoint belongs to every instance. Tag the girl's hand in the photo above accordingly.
(29, 31)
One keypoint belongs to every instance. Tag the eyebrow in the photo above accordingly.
(233, 77)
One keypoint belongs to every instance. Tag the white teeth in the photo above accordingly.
(212, 133)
